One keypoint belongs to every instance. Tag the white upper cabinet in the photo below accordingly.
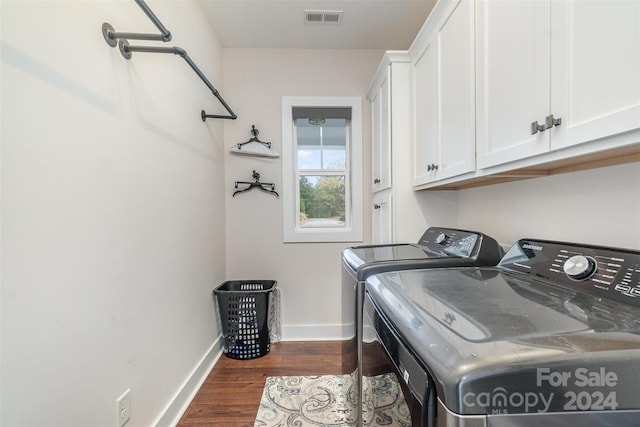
(513, 81)
(444, 95)
(426, 150)
(595, 72)
(554, 74)
(381, 134)
(457, 90)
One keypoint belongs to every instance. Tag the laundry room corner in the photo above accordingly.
(308, 274)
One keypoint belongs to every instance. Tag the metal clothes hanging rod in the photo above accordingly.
(113, 37)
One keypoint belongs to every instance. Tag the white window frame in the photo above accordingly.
(353, 231)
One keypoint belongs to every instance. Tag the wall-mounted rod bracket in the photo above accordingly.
(205, 116)
(166, 35)
(126, 49)
(111, 36)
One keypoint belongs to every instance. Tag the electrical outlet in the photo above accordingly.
(123, 408)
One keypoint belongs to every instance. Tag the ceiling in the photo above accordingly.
(366, 24)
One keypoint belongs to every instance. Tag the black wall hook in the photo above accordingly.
(256, 184)
(255, 133)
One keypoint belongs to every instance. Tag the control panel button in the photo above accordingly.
(441, 239)
(580, 267)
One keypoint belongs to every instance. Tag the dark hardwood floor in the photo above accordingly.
(231, 393)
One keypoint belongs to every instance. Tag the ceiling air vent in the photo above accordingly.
(323, 16)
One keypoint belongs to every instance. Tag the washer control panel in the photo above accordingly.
(607, 272)
(580, 267)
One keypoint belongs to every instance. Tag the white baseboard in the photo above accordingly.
(316, 332)
(183, 397)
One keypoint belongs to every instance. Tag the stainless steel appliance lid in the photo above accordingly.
(435, 243)
(480, 305)
(359, 256)
(482, 329)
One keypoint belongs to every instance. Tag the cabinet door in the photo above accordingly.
(513, 82)
(425, 97)
(382, 219)
(375, 141)
(381, 168)
(444, 91)
(595, 69)
(456, 75)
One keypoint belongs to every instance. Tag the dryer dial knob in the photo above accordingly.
(580, 267)
(441, 239)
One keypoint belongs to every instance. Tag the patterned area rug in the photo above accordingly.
(329, 401)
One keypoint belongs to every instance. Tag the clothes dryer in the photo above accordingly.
(438, 247)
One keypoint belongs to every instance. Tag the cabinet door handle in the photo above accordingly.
(550, 121)
(376, 181)
(377, 206)
(432, 167)
(537, 127)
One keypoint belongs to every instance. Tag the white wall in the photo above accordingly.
(308, 275)
(598, 206)
(112, 212)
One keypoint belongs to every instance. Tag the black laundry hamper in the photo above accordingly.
(244, 312)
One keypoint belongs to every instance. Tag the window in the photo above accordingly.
(322, 169)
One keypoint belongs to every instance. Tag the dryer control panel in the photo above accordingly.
(455, 242)
(606, 272)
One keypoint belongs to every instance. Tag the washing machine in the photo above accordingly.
(548, 337)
